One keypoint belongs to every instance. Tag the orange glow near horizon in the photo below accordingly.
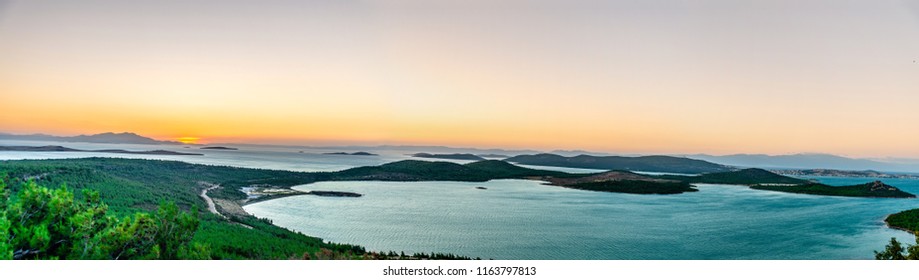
(188, 140)
(748, 78)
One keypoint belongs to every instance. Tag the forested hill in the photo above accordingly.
(415, 170)
(748, 176)
(643, 163)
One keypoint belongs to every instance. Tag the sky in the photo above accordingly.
(717, 77)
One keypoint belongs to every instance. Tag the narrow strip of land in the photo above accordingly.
(210, 202)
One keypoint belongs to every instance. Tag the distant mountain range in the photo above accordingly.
(808, 161)
(108, 137)
(574, 158)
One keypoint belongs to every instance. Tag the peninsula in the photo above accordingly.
(873, 189)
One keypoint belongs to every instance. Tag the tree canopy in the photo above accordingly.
(42, 223)
(897, 251)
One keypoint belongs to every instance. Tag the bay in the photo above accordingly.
(521, 219)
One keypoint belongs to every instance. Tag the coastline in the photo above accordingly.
(914, 233)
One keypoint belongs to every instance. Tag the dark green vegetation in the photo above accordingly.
(873, 189)
(621, 182)
(40, 223)
(907, 220)
(637, 187)
(65, 149)
(415, 170)
(334, 194)
(896, 251)
(449, 156)
(749, 176)
(644, 163)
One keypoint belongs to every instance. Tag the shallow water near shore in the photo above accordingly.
(520, 219)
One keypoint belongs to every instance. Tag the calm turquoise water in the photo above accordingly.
(519, 219)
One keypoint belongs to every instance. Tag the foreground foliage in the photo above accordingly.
(897, 251)
(42, 223)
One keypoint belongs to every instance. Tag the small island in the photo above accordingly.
(334, 194)
(622, 182)
(219, 148)
(350, 154)
(449, 156)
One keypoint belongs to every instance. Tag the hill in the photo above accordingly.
(748, 176)
(642, 163)
(416, 170)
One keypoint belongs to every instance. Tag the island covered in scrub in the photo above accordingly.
(643, 163)
(115, 151)
(351, 154)
(449, 156)
(621, 182)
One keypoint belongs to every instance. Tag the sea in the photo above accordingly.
(524, 219)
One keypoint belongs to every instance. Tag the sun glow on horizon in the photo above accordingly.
(188, 140)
